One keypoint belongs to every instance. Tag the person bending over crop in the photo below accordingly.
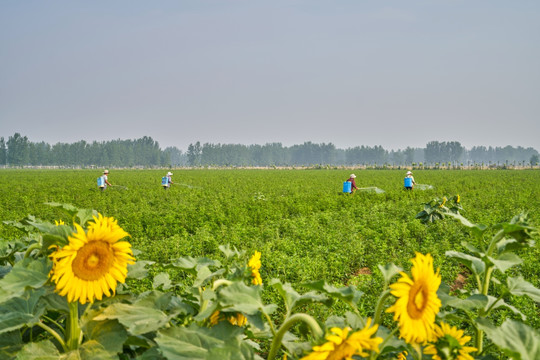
(353, 183)
(409, 181)
(166, 181)
(103, 180)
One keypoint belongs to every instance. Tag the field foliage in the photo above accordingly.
(305, 228)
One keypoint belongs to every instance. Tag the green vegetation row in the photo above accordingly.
(309, 234)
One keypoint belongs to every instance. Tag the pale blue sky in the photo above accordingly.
(390, 73)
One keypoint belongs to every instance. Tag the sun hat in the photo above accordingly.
(106, 171)
(169, 173)
(409, 173)
(353, 176)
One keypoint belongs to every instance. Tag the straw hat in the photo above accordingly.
(353, 176)
(409, 173)
(169, 173)
(106, 171)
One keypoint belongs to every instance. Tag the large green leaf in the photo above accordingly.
(518, 228)
(92, 350)
(219, 342)
(477, 229)
(472, 262)
(138, 320)
(348, 294)
(293, 299)
(151, 354)
(246, 300)
(109, 333)
(514, 338)
(499, 303)
(138, 270)
(473, 302)
(189, 263)
(83, 215)
(20, 311)
(505, 261)
(166, 302)
(26, 273)
(7, 254)
(519, 286)
(44, 350)
(10, 344)
(163, 280)
(185, 344)
(56, 302)
(389, 271)
(293, 345)
(204, 275)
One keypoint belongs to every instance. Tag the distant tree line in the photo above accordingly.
(19, 151)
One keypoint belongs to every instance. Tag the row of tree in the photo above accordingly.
(19, 151)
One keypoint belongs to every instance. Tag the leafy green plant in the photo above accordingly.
(200, 308)
(491, 263)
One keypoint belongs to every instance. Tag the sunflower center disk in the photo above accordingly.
(417, 300)
(93, 260)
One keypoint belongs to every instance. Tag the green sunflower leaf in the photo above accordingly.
(389, 271)
(138, 270)
(519, 286)
(293, 299)
(220, 342)
(28, 273)
(20, 311)
(246, 300)
(138, 320)
(348, 294)
(472, 262)
(162, 279)
(109, 333)
(515, 339)
(505, 261)
(43, 350)
(10, 343)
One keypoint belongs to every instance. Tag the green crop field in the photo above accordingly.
(304, 226)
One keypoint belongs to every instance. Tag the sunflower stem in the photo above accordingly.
(310, 321)
(479, 340)
(373, 354)
(31, 248)
(54, 334)
(380, 303)
(73, 330)
(417, 353)
(52, 321)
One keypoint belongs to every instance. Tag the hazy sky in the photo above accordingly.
(350, 72)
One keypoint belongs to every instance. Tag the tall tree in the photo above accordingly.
(18, 150)
(3, 151)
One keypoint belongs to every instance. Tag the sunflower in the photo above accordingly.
(402, 355)
(255, 264)
(93, 262)
(236, 319)
(59, 222)
(417, 302)
(449, 343)
(341, 346)
(444, 199)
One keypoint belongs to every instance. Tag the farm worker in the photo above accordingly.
(409, 181)
(103, 180)
(166, 181)
(353, 183)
